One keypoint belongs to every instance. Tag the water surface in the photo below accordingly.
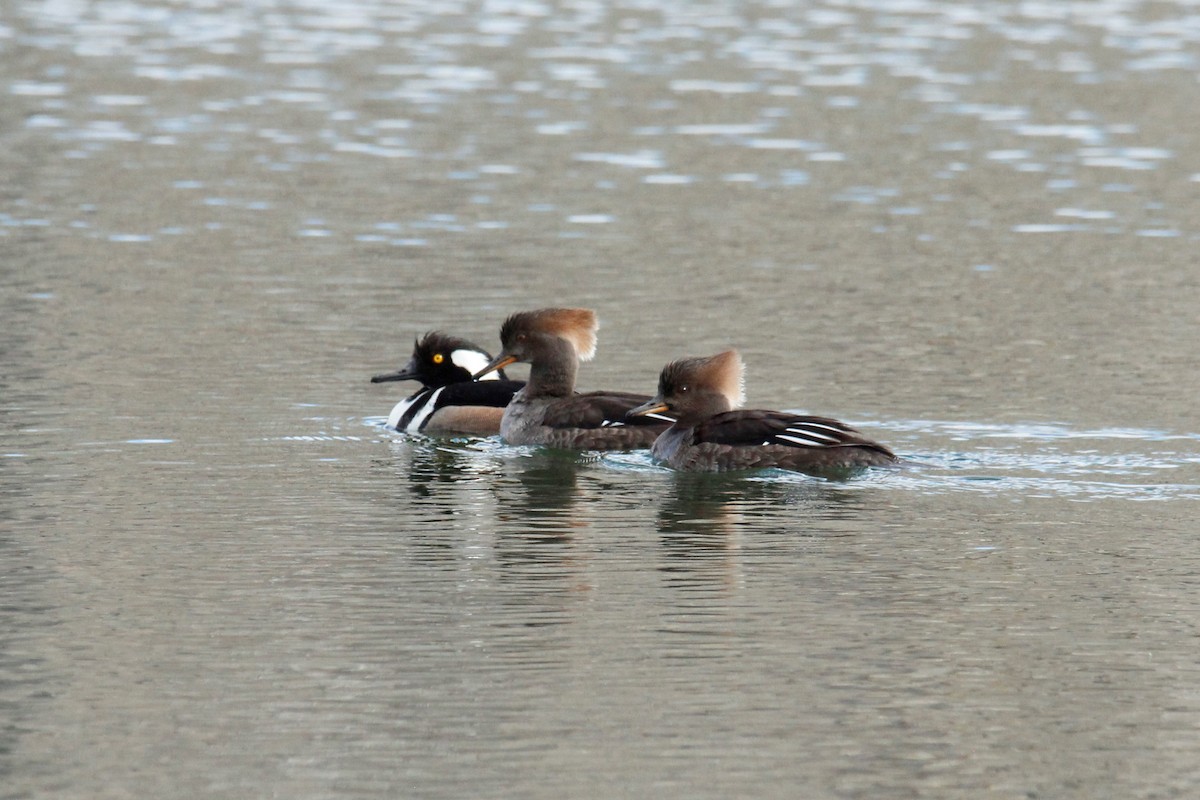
(970, 231)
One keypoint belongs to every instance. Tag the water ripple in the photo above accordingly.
(1019, 460)
(783, 59)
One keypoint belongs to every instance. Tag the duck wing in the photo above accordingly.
(480, 393)
(602, 410)
(756, 428)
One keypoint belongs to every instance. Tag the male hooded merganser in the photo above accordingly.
(449, 401)
(710, 436)
(548, 411)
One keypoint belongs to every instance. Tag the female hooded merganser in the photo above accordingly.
(449, 401)
(548, 411)
(710, 436)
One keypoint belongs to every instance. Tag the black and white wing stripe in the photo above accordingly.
(752, 428)
(620, 423)
(601, 410)
(815, 432)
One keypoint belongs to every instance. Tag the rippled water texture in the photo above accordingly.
(969, 229)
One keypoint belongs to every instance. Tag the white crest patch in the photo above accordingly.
(473, 361)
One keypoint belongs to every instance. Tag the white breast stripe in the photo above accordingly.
(612, 423)
(424, 413)
(401, 408)
(473, 361)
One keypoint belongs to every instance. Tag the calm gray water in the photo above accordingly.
(970, 229)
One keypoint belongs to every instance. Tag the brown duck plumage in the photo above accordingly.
(548, 411)
(711, 436)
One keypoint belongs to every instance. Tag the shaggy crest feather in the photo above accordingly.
(722, 374)
(438, 342)
(577, 325)
(725, 372)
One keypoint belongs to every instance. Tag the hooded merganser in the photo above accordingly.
(449, 401)
(710, 436)
(548, 411)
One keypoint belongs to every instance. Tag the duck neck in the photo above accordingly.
(552, 373)
(701, 408)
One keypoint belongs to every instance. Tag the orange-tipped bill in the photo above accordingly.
(655, 406)
(499, 362)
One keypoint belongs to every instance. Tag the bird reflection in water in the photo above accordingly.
(541, 494)
(520, 505)
(540, 556)
(705, 521)
(442, 494)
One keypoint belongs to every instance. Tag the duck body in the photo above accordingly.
(586, 421)
(758, 439)
(449, 400)
(472, 408)
(548, 411)
(712, 435)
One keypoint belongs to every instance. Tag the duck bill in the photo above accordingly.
(499, 362)
(655, 406)
(408, 373)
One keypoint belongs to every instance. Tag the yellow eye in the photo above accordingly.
(438, 358)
